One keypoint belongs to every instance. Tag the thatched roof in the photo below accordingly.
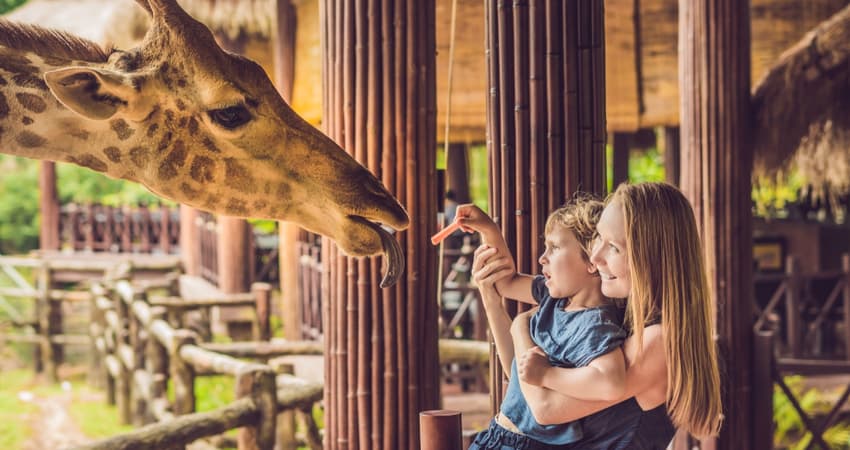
(242, 18)
(802, 109)
(110, 22)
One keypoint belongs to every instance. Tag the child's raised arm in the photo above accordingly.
(602, 379)
(471, 219)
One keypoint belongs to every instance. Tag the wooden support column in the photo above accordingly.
(714, 77)
(620, 158)
(545, 118)
(288, 251)
(457, 172)
(381, 344)
(190, 241)
(234, 249)
(672, 151)
(49, 206)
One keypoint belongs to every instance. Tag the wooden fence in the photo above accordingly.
(125, 229)
(141, 351)
(263, 265)
(43, 327)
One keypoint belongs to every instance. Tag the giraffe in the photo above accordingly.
(191, 122)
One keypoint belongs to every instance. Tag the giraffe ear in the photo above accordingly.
(90, 92)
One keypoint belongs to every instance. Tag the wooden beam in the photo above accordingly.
(48, 206)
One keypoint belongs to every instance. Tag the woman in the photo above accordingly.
(648, 251)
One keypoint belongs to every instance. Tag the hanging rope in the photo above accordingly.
(446, 145)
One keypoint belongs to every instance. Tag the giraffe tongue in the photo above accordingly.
(394, 257)
(392, 253)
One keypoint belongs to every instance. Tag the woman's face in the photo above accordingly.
(609, 252)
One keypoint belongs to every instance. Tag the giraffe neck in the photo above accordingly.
(34, 124)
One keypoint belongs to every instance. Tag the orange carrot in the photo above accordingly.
(445, 232)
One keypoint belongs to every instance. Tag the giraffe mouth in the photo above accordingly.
(392, 252)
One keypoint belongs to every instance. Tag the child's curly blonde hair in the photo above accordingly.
(579, 216)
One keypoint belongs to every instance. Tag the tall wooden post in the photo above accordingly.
(288, 250)
(672, 152)
(545, 118)
(49, 206)
(714, 78)
(620, 158)
(380, 102)
(457, 172)
(190, 241)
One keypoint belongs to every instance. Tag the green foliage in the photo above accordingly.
(770, 197)
(19, 223)
(790, 431)
(19, 228)
(646, 165)
(8, 5)
(478, 176)
(80, 185)
(13, 413)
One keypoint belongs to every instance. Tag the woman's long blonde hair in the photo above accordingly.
(669, 282)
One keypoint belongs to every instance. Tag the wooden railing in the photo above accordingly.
(808, 306)
(141, 351)
(310, 274)
(264, 261)
(44, 327)
(126, 229)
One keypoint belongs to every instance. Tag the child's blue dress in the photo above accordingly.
(571, 339)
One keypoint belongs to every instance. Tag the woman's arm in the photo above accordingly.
(603, 379)
(486, 271)
(643, 374)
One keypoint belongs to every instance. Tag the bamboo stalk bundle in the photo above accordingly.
(546, 119)
(382, 343)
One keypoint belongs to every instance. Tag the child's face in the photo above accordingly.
(566, 271)
(609, 252)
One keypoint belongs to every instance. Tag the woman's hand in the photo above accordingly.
(532, 365)
(488, 267)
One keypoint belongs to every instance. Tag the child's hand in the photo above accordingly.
(532, 365)
(472, 218)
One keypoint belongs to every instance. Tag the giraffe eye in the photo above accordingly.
(231, 117)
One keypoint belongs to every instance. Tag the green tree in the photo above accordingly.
(8, 5)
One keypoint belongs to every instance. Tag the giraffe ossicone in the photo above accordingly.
(191, 122)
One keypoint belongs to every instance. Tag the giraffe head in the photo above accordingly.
(205, 127)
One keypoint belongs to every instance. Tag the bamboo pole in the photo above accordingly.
(717, 159)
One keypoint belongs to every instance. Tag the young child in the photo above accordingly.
(575, 324)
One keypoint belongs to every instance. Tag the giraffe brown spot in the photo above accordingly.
(182, 123)
(284, 191)
(193, 126)
(113, 153)
(237, 176)
(165, 142)
(175, 159)
(181, 82)
(165, 73)
(180, 105)
(202, 169)
(31, 102)
(121, 128)
(29, 139)
(26, 120)
(152, 129)
(236, 207)
(259, 205)
(26, 80)
(4, 107)
(169, 115)
(186, 189)
(90, 161)
(267, 188)
(54, 61)
(79, 134)
(210, 145)
(16, 63)
(140, 156)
